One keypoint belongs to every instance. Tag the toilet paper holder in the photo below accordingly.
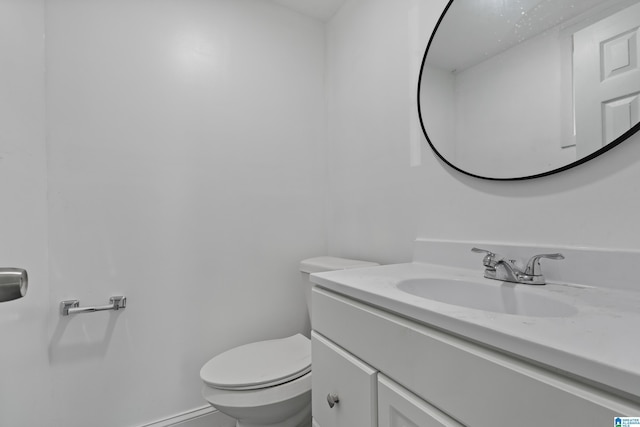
(70, 307)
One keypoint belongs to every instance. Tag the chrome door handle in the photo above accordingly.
(13, 283)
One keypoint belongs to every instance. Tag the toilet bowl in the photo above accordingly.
(268, 383)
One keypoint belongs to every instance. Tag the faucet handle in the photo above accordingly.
(533, 266)
(489, 259)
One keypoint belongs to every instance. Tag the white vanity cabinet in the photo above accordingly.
(406, 374)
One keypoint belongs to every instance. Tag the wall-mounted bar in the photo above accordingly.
(73, 306)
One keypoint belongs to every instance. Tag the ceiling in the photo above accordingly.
(321, 9)
(474, 30)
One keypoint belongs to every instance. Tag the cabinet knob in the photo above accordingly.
(332, 399)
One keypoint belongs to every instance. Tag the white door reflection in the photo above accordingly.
(606, 79)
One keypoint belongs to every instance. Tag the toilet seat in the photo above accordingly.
(225, 400)
(259, 365)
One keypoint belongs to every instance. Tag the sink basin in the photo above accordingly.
(501, 297)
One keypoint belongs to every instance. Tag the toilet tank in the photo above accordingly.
(326, 263)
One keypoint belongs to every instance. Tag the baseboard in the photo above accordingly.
(205, 416)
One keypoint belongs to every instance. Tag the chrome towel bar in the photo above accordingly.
(73, 306)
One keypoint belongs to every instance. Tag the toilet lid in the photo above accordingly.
(259, 364)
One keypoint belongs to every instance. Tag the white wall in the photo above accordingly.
(186, 170)
(378, 204)
(374, 196)
(25, 386)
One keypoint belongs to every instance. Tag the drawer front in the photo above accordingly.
(477, 386)
(398, 407)
(338, 373)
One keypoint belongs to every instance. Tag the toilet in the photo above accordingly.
(268, 383)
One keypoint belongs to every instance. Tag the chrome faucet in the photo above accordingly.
(498, 267)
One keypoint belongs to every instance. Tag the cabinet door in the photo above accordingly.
(346, 379)
(398, 407)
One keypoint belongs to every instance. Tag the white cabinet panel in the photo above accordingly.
(338, 373)
(398, 407)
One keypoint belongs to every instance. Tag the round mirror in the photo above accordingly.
(517, 89)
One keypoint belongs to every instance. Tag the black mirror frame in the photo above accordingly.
(585, 159)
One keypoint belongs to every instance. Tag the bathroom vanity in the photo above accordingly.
(385, 355)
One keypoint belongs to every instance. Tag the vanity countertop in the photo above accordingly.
(599, 342)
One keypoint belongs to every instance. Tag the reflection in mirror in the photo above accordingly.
(512, 89)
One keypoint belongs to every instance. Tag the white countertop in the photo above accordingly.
(600, 342)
